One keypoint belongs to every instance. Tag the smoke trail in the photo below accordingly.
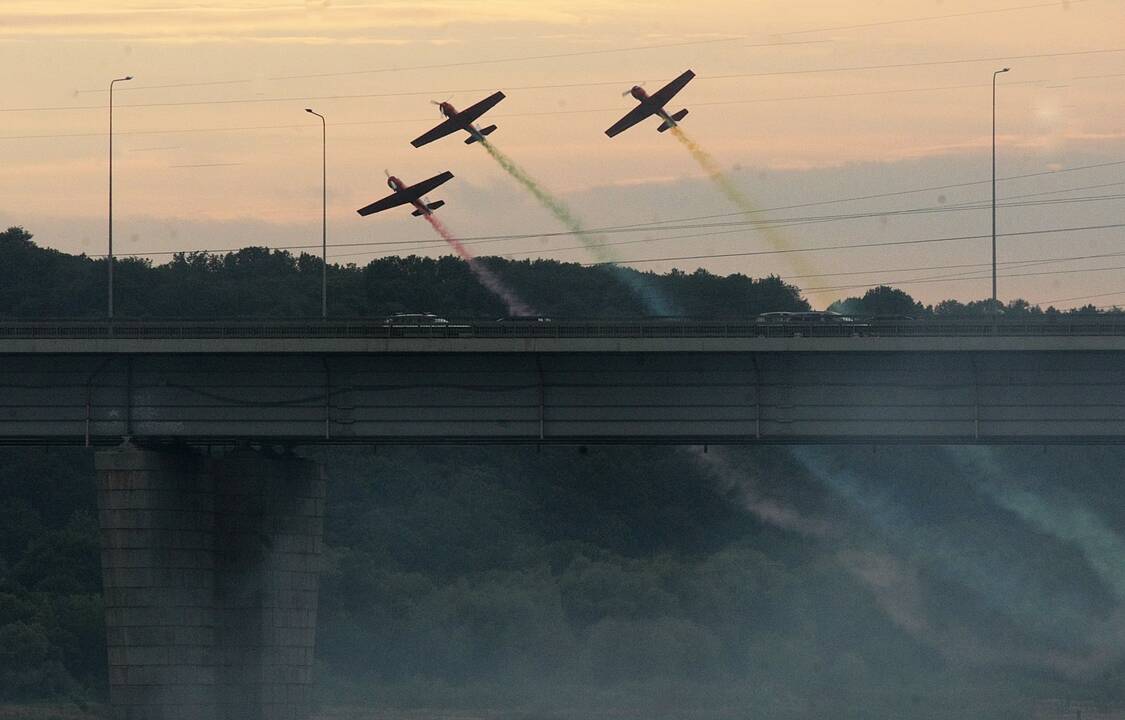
(1000, 580)
(516, 306)
(768, 510)
(1064, 518)
(896, 584)
(653, 298)
(736, 196)
(1084, 644)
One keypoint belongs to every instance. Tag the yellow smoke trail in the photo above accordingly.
(776, 240)
(651, 295)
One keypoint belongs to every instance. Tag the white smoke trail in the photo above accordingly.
(1062, 516)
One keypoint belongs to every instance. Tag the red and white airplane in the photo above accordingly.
(462, 120)
(413, 195)
(653, 105)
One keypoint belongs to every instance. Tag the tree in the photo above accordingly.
(881, 300)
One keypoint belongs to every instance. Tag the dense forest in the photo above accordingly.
(855, 582)
(37, 282)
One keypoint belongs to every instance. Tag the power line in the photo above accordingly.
(729, 76)
(309, 98)
(969, 276)
(1009, 264)
(1082, 297)
(636, 242)
(739, 227)
(955, 278)
(660, 225)
(857, 246)
(550, 56)
(549, 113)
(580, 53)
(905, 192)
(925, 63)
(967, 13)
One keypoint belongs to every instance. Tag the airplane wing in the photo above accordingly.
(633, 117)
(392, 200)
(453, 124)
(418, 190)
(471, 113)
(406, 195)
(666, 93)
(450, 125)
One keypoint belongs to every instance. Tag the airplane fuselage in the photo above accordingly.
(449, 111)
(398, 186)
(643, 98)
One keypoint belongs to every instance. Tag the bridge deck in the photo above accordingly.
(357, 336)
(561, 383)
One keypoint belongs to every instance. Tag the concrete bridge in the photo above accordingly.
(210, 560)
(298, 383)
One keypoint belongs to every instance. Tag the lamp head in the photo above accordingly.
(308, 110)
(128, 77)
(1006, 70)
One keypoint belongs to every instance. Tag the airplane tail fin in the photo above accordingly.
(435, 205)
(483, 131)
(666, 125)
(429, 206)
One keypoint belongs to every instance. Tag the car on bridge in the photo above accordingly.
(424, 325)
(809, 322)
(414, 319)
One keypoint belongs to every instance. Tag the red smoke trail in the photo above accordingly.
(516, 307)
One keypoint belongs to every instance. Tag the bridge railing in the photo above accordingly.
(246, 329)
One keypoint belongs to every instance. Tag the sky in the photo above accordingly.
(808, 108)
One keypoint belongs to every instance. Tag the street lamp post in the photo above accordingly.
(109, 259)
(323, 213)
(995, 307)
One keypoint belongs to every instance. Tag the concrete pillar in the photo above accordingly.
(209, 570)
(270, 530)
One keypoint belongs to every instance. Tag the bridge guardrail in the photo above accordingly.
(563, 330)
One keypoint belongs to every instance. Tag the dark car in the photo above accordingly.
(415, 320)
(810, 322)
(424, 325)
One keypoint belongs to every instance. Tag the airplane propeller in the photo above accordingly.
(387, 173)
(630, 90)
(439, 104)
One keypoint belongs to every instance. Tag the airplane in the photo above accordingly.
(653, 105)
(414, 195)
(462, 120)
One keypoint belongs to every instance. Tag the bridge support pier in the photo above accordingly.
(210, 573)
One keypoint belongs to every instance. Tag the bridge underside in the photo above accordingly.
(564, 397)
(210, 562)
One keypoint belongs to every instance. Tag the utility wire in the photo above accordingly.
(397, 246)
(921, 281)
(401, 245)
(856, 246)
(1082, 297)
(579, 53)
(402, 121)
(967, 13)
(729, 76)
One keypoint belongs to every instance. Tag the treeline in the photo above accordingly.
(889, 301)
(259, 282)
(37, 282)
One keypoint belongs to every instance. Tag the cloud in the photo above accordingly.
(261, 22)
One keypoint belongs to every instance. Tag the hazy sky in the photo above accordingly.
(800, 102)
